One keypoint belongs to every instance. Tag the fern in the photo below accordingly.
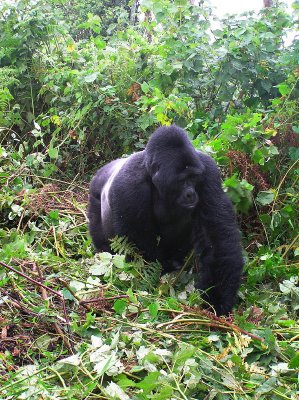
(5, 98)
(121, 245)
(8, 76)
(150, 274)
(147, 273)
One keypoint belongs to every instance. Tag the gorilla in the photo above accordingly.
(168, 200)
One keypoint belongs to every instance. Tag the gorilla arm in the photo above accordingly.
(221, 256)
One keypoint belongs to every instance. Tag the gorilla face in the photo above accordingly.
(187, 197)
(178, 185)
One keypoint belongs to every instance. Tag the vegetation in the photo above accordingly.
(82, 82)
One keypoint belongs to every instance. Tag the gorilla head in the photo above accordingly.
(174, 167)
(172, 192)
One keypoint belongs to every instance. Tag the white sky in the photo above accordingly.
(223, 7)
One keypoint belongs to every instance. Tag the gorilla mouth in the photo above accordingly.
(189, 206)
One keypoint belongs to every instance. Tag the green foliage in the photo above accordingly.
(239, 192)
(84, 82)
(141, 274)
(89, 91)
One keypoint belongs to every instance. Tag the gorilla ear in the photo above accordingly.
(155, 174)
(154, 170)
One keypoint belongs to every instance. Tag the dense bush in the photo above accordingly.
(79, 99)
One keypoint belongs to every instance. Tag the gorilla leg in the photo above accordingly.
(206, 281)
(227, 281)
(218, 282)
(219, 279)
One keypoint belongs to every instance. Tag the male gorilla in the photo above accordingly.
(168, 200)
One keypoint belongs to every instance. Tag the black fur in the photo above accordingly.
(168, 200)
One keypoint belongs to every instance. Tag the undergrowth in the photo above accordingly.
(127, 333)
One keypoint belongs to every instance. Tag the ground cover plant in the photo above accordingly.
(82, 83)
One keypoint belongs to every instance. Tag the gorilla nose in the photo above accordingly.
(190, 196)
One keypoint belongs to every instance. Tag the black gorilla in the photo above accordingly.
(168, 200)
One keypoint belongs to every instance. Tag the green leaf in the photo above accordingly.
(72, 360)
(115, 392)
(89, 387)
(217, 33)
(265, 197)
(53, 153)
(273, 150)
(54, 215)
(232, 181)
(100, 268)
(16, 208)
(164, 394)
(294, 362)
(100, 43)
(119, 261)
(37, 126)
(177, 65)
(67, 294)
(146, 120)
(268, 386)
(173, 304)
(183, 355)
(287, 323)
(258, 157)
(267, 85)
(132, 296)
(125, 382)
(120, 306)
(145, 87)
(153, 309)
(91, 77)
(275, 220)
(149, 383)
(3, 153)
(294, 153)
(105, 257)
(284, 89)
(103, 365)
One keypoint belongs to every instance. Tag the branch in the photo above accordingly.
(44, 295)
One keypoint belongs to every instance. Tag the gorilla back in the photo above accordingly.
(168, 200)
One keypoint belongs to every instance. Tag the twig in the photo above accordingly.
(280, 184)
(67, 286)
(31, 279)
(123, 296)
(15, 338)
(293, 339)
(67, 321)
(183, 268)
(57, 328)
(223, 324)
(288, 247)
(19, 306)
(218, 322)
(235, 327)
(55, 180)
